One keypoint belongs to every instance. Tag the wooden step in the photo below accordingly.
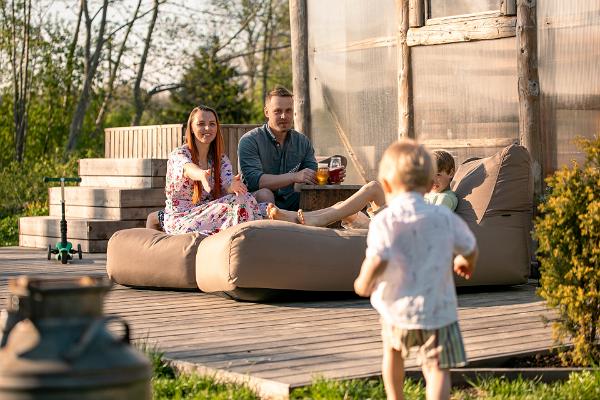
(77, 228)
(42, 242)
(112, 213)
(122, 167)
(108, 197)
(128, 182)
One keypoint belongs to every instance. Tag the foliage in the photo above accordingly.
(569, 236)
(166, 384)
(580, 386)
(323, 389)
(209, 81)
(25, 194)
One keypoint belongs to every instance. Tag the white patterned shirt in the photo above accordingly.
(419, 240)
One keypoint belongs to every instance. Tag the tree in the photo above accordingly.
(138, 101)
(17, 38)
(207, 80)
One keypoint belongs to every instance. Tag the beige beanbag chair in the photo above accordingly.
(149, 258)
(495, 198)
(256, 260)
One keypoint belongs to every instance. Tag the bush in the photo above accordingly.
(568, 234)
(24, 193)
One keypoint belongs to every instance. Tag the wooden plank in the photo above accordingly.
(404, 100)
(42, 242)
(529, 90)
(125, 182)
(105, 197)
(286, 344)
(122, 167)
(77, 228)
(509, 7)
(463, 31)
(114, 213)
(300, 76)
(107, 135)
(466, 143)
(416, 16)
(464, 18)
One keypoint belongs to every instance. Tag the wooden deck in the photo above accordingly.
(278, 346)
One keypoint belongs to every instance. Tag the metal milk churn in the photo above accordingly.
(55, 344)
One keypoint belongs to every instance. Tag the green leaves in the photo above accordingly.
(568, 237)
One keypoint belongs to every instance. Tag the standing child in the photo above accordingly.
(407, 272)
(440, 193)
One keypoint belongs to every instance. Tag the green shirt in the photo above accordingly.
(447, 198)
(259, 153)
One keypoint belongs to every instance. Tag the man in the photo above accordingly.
(274, 157)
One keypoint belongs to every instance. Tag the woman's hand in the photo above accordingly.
(195, 173)
(237, 186)
(204, 178)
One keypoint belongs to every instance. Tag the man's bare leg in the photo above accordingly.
(371, 193)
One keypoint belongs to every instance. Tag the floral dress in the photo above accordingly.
(210, 215)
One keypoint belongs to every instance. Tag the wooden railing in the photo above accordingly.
(157, 141)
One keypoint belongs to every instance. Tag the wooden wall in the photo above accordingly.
(157, 141)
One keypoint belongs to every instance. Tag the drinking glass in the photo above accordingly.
(322, 173)
(335, 170)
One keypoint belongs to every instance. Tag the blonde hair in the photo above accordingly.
(407, 164)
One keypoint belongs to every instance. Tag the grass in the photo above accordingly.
(167, 384)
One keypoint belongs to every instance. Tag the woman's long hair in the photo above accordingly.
(215, 152)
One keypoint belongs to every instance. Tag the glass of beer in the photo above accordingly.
(335, 170)
(322, 173)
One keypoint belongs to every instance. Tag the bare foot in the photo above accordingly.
(278, 214)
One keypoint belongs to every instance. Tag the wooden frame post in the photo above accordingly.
(300, 78)
(404, 106)
(529, 88)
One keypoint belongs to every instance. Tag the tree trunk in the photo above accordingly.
(113, 74)
(529, 88)
(267, 44)
(300, 78)
(19, 47)
(91, 62)
(138, 101)
(70, 55)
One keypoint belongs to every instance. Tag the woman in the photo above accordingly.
(202, 193)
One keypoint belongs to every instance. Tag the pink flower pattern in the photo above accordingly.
(210, 215)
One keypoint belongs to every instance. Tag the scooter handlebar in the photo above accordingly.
(61, 179)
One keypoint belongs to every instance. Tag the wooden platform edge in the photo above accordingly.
(265, 388)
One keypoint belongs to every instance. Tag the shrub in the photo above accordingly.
(568, 234)
(24, 193)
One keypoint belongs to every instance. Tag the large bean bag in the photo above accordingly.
(495, 198)
(144, 257)
(262, 259)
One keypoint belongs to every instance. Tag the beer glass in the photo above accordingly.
(322, 173)
(335, 170)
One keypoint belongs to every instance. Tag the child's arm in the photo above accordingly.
(372, 267)
(464, 265)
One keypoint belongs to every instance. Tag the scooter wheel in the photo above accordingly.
(79, 251)
(64, 256)
(49, 252)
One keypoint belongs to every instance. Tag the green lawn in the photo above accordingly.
(580, 386)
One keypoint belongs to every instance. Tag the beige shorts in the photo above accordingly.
(442, 346)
